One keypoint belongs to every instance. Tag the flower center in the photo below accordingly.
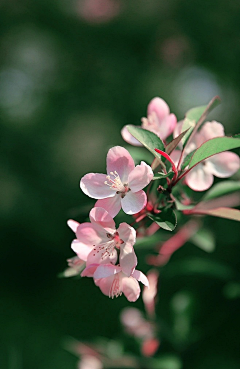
(115, 289)
(116, 184)
(106, 249)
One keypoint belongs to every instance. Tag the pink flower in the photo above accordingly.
(221, 165)
(159, 120)
(112, 280)
(97, 242)
(122, 186)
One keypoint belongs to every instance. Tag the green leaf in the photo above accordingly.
(166, 219)
(195, 117)
(173, 144)
(147, 138)
(237, 135)
(212, 147)
(139, 153)
(187, 160)
(220, 189)
(160, 175)
(204, 239)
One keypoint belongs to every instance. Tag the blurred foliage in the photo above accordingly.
(67, 86)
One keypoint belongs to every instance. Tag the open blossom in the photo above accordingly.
(159, 120)
(99, 240)
(122, 186)
(113, 281)
(221, 165)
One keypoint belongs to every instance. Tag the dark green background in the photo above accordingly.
(67, 87)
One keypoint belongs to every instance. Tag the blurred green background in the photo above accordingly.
(71, 76)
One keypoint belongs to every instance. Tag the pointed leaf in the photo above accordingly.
(220, 189)
(187, 160)
(212, 147)
(147, 138)
(166, 219)
(173, 144)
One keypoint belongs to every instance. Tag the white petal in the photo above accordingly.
(73, 225)
(224, 164)
(140, 177)
(112, 204)
(132, 203)
(199, 179)
(130, 288)
(81, 250)
(93, 185)
(106, 270)
(119, 160)
(129, 138)
(140, 277)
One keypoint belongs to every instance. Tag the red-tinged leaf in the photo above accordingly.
(166, 156)
(173, 144)
(227, 213)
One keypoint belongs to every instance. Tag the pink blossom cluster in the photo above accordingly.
(106, 252)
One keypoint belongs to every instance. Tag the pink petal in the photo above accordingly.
(106, 270)
(99, 255)
(112, 204)
(130, 288)
(140, 277)
(92, 184)
(211, 129)
(87, 235)
(128, 259)
(119, 160)
(81, 250)
(166, 126)
(101, 217)
(198, 179)
(224, 164)
(170, 124)
(127, 233)
(132, 203)
(105, 284)
(140, 177)
(178, 129)
(159, 106)
(89, 271)
(129, 138)
(73, 225)
(175, 156)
